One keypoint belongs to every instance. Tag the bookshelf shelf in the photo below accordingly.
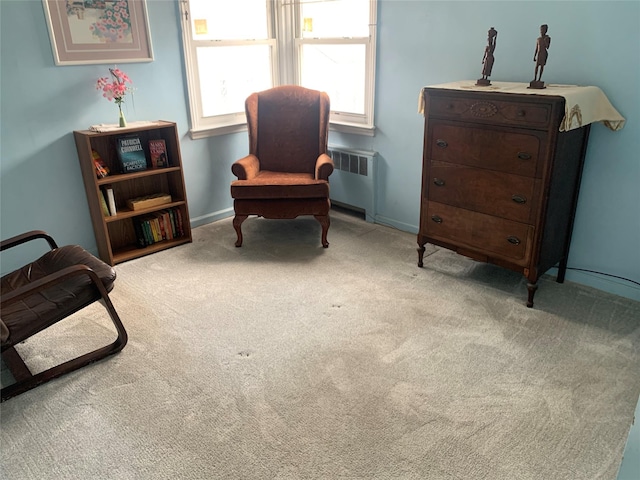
(124, 177)
(119, 236)
(126, 212)
(131, 252)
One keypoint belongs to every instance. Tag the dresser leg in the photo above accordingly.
(531, 287)
(420, 255)
(562, 270)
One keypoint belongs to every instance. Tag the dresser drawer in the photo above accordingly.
(505, 151)
(491, 235)
(522, 114)
(501, 194)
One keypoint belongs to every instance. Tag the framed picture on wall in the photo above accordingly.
(98, 31)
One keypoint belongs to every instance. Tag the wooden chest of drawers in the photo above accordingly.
(499, 180)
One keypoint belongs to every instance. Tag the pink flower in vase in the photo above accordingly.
(115, 88)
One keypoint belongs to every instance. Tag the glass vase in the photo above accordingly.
(123, 121)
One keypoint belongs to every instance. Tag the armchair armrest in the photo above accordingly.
(324, 167)
(246, 168)
(27, 237)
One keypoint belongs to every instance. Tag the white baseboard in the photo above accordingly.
(602, 282)
(390, 222)
(211, 217)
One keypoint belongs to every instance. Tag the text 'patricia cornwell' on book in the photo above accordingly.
(131, 154)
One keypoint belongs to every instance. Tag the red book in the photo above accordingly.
(158, 154)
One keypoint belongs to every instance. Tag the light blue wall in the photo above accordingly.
(420, 43)
(630, 466)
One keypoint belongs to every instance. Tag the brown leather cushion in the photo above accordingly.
(40, 310)
(269, 184)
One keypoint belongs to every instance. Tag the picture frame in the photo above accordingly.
(84, 32)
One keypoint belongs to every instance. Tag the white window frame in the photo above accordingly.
(286, 44)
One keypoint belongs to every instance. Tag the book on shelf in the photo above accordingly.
(172, 222)
(169, 227)
(140, 236)
(103, 204)
(156, 227)
(142, 229)
(101, 168)
(146, 232)
(148, 201)
(179, 223)
(111, 200)
(172, 219)
(161, 227)
(131, 153)
(158, 153)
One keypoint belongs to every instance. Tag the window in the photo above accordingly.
(234, 48)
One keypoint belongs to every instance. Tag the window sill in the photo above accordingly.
(205, 132)
(353, 128)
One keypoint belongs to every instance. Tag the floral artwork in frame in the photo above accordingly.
(98, 31)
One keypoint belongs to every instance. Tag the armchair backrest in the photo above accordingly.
(288, 127)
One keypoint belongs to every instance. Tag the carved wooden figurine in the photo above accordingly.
(487, 59)
(540, 57)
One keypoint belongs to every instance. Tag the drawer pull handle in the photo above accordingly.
(513, 240)
(524, 156)
(442, 143)
(438, 182)
(521, 113)
(519, 199)
(436, 218)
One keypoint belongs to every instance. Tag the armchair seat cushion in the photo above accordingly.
(40, 310)
(270, 185)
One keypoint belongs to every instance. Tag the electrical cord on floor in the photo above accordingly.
(361, 215)
(601, 273)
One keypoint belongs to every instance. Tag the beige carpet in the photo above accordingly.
(284, 360)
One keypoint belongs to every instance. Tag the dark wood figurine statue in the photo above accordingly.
(487, 59)
(540, 57)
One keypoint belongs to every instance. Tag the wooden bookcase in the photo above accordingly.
(115, 235)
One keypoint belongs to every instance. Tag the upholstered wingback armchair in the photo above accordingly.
(286, 173)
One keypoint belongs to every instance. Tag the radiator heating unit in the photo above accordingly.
(352, 183)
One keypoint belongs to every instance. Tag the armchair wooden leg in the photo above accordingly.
(237, 224)
(324, 221)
